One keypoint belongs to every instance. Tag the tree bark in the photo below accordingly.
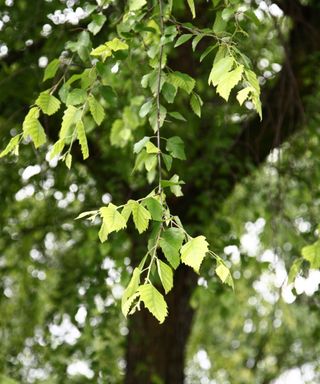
(155, 353)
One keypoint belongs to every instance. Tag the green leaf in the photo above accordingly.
(112, 221)
(227, 13)
(13, 143)
(183, 39)
(219, 23)
(150, 162)
(152, 81)
(196, 104)
(141, 217)
(51, 69)
(182, 80)
(174, 184)
(219, 69)
(177, 115)
(69, 118)
(311, 253)
(170, 243)
(145, 109)
(166, 275)
(228, 81)
(48, 103)
(169, 92)
(139, 145)
(76, 96)
(140, 160)
(175, 146)
(196, 41)
(153, 301)
(192, 8)
(97, 23)
(167, 159)
(153, 119)
(96, 110)
(155, 208)
(135, 5)
(206, 52)
(32, 127)
(194, 251)
(120, 135)
(81, 135)
(294, 270)
(224, 274)
(130, 291)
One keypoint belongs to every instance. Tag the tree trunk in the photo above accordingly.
(156, 353)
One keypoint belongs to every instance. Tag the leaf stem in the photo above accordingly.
(154, 255)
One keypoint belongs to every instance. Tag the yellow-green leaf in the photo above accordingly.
(13, 143)
(194, 251)
(130, 293)
(48, 103)
(51, 69)
(153, 301)
(101, 51)
(224, 274)
(117, 45)
(68, 160)
(170, 243)
(96, 109)
(243, 94)
(311, 253)
(141, 217)
(220, 68)
(228, 81)
(165, 274)
(181, 80)
(112, 220)
(69, 118)
(151, 148)
(57, 149)
(32, 127)
(81, 134)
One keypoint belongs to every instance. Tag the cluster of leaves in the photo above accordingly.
(87, 94)
(169, 237)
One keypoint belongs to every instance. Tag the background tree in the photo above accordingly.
(55, 272)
